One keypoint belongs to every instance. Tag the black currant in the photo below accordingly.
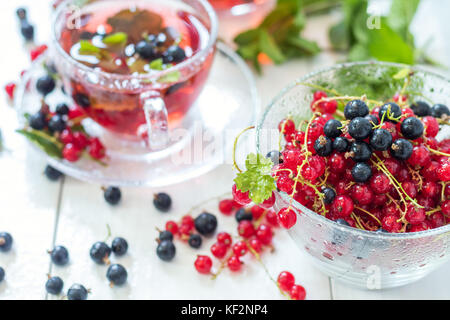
(174, 54)
(342, 222)
(341, 144)
(195, 241)
(401, 149)
(159, 39)
(361, 172)
(2, 274)
(329, 194)
(6, 241)
(360, 151)
(86, 35)
(332, 128)
(421, 109)
(27, 30)
(355, 108)
(119, 246)
(38, 121)
(45, 85)
(323, 146)
(51, 173)
(146, 50)
(54, 285)
(438, 110)
(162, 201)
(21, 13)
(275, 156)
(77, 292)
(372, 119)
(82, 100)
(56, 123)
(62, 109)
(243, 214)
(117, 274)
(166, 250)
(205, 223)
(165, 235)
(381, 139)
(100, 253)
(390, 111)
(412, 128)
(112, 195)
(360, 128)
(59, 255)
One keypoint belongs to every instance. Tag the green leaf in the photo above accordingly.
(88, 48)
(257, 179)
(247, 37)
(386, 45)
(268, 45)
(306, 46)
(44, 141)
(157, 64)
(173, 76)
(339, 36)
(116, 38)
(400, 17)
(402, 74)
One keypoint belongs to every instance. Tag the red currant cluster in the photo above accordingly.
(255, 229)
(378, 170)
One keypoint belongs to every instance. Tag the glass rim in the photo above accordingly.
(147, 77)
(316, 216)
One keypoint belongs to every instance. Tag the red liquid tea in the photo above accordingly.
(228, 4)
(119, 38)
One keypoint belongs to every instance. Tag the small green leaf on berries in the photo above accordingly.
(257, 179)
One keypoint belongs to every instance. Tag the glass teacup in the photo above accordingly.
(111, 77)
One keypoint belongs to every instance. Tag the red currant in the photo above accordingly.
(203, 264)
(219, 250)
(257, 212)
(390, 224)
(36, 52)
(246, 229)
(80, 140)
(172, 227)
(415, 215)
(445, 207)
(66, 136)
(430, 189)
(71, 152)
(362, 194)
(443, 171)
(240, 197)
(272, 218)
(256, 245)
(297, 292)
(264, 234)
(268, 203)
(437, 220)
(285, 280)
(380, 183)
(240, 248)
(287, 217)
(226, 206)
(10, 88)
(286, 127)
(420, 227)
(234, 263)
(410, 189)
(343, 205)
(431, 126)
(420, 156)
(96, 149)
(224, 238)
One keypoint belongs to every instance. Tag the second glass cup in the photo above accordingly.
(135, 66)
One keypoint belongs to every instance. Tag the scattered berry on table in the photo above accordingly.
(240, 248)
(297, 292)
(54, 285)
(51, 173)
(225, 238)
(6, 241)
(112, 195)
(172, 227)
(119, 246)
(2, 274)
(100, 253)
(162, 201)
(243, 214)
(234, 263)
(287, 217)
(195, 241)
(206, 223)
(219, 250)
(45, 85)
(166, 250)
(165, 235)
(37, 51)
(117, 274)
(246, 229)
(203, 264)
(285, 280)
(77, 292)
(226, 206)
(9, 89)
(59, 255)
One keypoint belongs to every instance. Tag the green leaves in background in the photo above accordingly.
(278, 36)
(257, 178)
(383, 38)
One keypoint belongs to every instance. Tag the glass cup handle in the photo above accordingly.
(156, 118)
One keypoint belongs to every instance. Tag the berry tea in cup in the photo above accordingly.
(135, 67)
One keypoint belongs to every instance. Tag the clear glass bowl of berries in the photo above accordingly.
(361, 170)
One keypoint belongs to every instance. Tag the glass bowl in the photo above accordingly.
(356, 257)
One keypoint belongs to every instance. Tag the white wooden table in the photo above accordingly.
(40, 214)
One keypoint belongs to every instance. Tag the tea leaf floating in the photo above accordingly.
(136, 23)
(116, 38)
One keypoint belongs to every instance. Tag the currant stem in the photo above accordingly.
(235, 144)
